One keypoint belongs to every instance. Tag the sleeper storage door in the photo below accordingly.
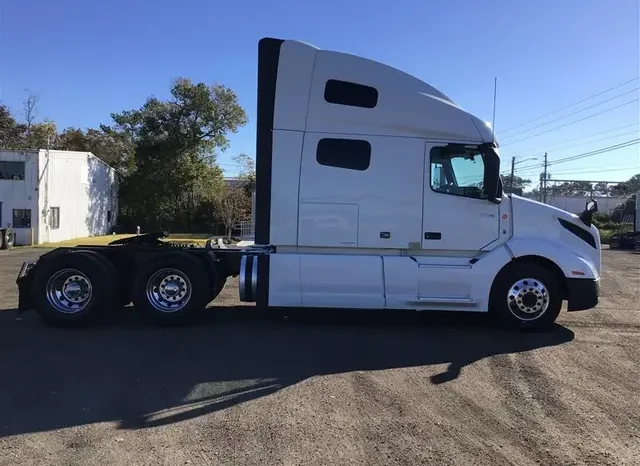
(457, 217)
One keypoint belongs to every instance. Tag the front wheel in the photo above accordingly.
(526, 297)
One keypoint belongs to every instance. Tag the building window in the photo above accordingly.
(351, 94)
(54, 218)
(21, 218)
(352, 154)
(11, 170)
(457, 172)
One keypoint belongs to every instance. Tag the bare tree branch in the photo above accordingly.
(29, 108)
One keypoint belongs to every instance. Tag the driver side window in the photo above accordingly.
(457, 172)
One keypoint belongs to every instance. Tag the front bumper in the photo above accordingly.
(24, 281)
(582, 293)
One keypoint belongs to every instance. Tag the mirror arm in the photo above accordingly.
(587, 215)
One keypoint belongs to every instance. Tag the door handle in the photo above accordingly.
(432, 235)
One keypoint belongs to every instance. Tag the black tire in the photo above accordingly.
(189, 287)
(9, 239)
(112, 273)
(58, 310)
(220, 283)
(3, 238)
(526, 296)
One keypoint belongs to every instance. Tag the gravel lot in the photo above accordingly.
(249, 388)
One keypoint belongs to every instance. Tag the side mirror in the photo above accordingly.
(590, 208)
(492, 180)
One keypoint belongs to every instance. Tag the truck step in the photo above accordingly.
(443, 300)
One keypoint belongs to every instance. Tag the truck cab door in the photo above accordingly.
(457, 216)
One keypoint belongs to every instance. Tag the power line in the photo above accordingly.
(586, 140)
(583, 155)
(571, 105)
(636, 124)
(520, 170)
(571, 114)
(603, 167)
(576, 121)
(579, 172)
(603, 150)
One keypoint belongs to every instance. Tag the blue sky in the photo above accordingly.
(88, 59)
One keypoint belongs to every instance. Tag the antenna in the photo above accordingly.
(493, 120)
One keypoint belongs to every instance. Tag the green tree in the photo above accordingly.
(175, 146)
(570, 188)
(232, 206)
(632, 185)
(601, 189)
(517, 182)
(29, 134)
(10, 132)
(246, 173)
(41, 135)
(113, 147)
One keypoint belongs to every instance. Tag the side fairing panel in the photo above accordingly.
(376, 282)
(295, 72)
(285, 179)
(285, 288)
(342, 281)
(442, 283)
(268, 59)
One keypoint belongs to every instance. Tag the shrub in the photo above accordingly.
(605, 235)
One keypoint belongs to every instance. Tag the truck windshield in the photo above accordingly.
(460, 173)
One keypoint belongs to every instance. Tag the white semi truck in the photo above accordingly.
(374, 190)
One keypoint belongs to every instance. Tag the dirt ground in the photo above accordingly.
(250, 388)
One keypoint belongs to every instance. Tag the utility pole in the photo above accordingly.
(513, 167)
(544, 180)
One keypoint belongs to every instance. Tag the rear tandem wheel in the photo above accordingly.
(74, 288)
(171, 288)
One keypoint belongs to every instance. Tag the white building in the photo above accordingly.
(48, 196)
(576, 204)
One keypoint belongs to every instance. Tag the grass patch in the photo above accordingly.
(187, 238)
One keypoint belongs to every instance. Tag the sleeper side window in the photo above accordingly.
(350, 154)
(350, 94)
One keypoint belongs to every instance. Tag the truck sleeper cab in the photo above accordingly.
(373, 190)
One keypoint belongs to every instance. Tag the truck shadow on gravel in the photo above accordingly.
(140, 376)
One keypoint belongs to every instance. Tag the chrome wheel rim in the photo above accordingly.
(168, 290)
(528, 299)
(69, 291)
